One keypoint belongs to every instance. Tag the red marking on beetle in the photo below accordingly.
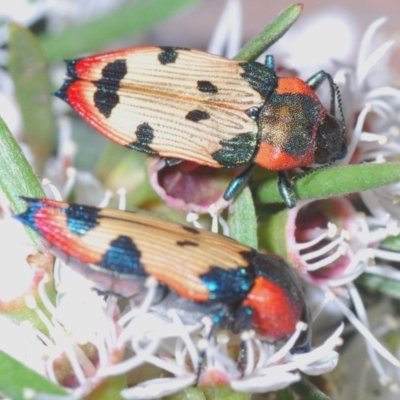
(295, 86)
(274, 159)
(60, 236)
(275, 315)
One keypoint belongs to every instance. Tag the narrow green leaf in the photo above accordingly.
(19, 312)
(16, 378)
(209, 393)
(335, 182)
(284, 394)
(308, 391)
(17, 177)
(28, 69)
(224, 393)
(387, 286)
(109, 389)
(242, 219)
(272, 234)
(190, 393)
(274, 31)
(128, 20)
(391, 243)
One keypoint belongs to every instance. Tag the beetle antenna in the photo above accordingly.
(332, 86)
(335, 94)
(339, 100)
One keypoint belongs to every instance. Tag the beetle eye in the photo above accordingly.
(330, 143)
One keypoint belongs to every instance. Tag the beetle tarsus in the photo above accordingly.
(270, 62)
(237, 184)
(286, 189)
(170, 162)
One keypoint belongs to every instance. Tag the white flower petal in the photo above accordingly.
(323, 365)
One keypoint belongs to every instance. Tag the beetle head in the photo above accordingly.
(330, 143)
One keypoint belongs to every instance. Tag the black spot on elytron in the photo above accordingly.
(184, 243)
(168, 55)
(236, 151)
(123, 257)
(28, 216)
(62, 93)
(106, 96)
(197, 115)
(81, 219)
(288, 121)
(261, 78)
(231, 284)
(206, 87)
(144, 136)
(191, 229)
(71, 64)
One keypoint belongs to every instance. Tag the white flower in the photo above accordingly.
(369, 96)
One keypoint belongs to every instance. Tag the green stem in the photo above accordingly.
(335, 182)
(274, 31)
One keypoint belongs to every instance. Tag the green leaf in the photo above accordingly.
(391, 243)
(224, 393)
(209, 393)
(272, 234)
(335, 182)
(109, 389)
(17, 177)
(308, 391)
(28, 69)
(128, 20)
(387, 286)
(284, 394)
(274, 31)
(16, 378)
(190, 393)
(242, 219)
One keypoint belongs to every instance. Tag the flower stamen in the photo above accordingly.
(325, 233)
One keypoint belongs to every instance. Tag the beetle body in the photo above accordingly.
(238, 287)
(184, 104)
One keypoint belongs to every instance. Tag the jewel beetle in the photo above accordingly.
(183, 104)
(198, 271)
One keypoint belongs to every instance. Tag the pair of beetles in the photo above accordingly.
(187, 105)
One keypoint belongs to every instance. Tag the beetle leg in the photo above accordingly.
(237, 184)
(286, 189)
(317, 79)
(219, 320)
(270, 62)
(303, 343)
(243, 322)
(169, 162)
